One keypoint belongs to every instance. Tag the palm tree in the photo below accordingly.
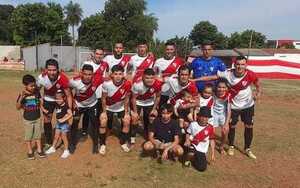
(74, 15)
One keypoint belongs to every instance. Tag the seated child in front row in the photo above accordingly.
(63, 116)
(199, 136)
(30, 101)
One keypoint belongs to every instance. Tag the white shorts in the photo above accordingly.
(219, 120)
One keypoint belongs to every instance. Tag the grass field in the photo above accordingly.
(276, 144)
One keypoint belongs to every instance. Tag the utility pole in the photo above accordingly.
(36, 51)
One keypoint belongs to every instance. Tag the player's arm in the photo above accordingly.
(126, 103)
(206, 78)
(69, 97)
(133, 102)
(19, 101)
(258, 89)
(156, 103)
(212, 143)
(166, 150)
(66, 117)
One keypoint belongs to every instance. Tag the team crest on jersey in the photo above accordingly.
(211, 68)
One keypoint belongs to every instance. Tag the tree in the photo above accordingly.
(157, 47)
(121, 20)
(242, 40)
(205, 31)
(74, 15)
(38, 22)
(6, 36)
(183, 44)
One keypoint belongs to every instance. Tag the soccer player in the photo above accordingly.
(85, 101)
(145, 96)
(200, 134)
(167, 66)
(139, 62)
(206, 65)
(52, 80)
(117, 58)
(242, 104)
(115, 100)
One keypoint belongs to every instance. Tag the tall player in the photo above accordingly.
(52, 80)
(115, 100)
(167, 66)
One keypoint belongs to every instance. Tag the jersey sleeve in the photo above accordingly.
(135, 89)
(104, 87)
(222, 66)
(39, 81)
(64, 81)
(190, 128)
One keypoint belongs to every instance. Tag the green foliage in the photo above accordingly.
(242, 40)
(121, 20)
(6, 36)
(205, 31)
(157, 47)
(40, 22)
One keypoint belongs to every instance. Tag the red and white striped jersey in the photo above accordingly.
(175, 90)
(240, 90)
(146, 95)
(200, 136)
(116, 95)
(138, 64)
(98, 69)
(85, 95)
(50, 87)
(112, 61)
(209, 102)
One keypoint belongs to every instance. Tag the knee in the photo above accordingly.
(148, 146)
(249, 126)
(126, 121)
(178, 151)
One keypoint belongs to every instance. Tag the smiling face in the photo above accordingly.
(184, 76)
(99, 55)
(117, 77)
(30, 87)
(148, 80)
(170, 51)
(59, 98)
(207, 92)
(221, 89)
(52, 72)
(240, 67)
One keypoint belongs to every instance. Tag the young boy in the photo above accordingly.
(63, 115)
(206, 99)
(164, 134)
(221, 110)
(30, 101)
(184, 111)
(199, 135)
(115, 100)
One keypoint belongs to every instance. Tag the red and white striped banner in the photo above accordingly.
(279, 66)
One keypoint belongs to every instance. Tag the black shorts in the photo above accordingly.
(110, 116)
(183, 114)
(49, 105)
(163, 100)
(246, 116)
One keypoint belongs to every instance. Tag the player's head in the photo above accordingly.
(60, 97)
(118, 49)
(142, 48)
(207, 49)
(203, 115)
(187, 96)
(170, 50)
(29, 83)
(207, 91)
(87, 73)
(52, 69)
(99, 54)
(222, 87)
(240, 65)
(166, 112)
(148, 77)
(117, 74)
(184, 74)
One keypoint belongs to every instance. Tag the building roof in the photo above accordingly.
(219, 53)
(252, 52)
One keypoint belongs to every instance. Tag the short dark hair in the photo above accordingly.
(149, 71)
(142, 41)
(184, 67)
(241, 57)
(28, 79)
(207, 43)
(168, 107)
(223, 80)
(170, 44)
(52, 62)
(87, 67)
(209, 85)
(116, 68)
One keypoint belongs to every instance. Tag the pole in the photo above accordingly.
(250, 43)
(60, 49)
(36, 51)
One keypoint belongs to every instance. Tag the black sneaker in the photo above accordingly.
(30, 156)
(41, 154)
(72, 148)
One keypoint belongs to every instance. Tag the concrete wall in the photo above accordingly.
(10, 52)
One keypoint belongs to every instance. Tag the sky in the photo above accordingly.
(277, 19)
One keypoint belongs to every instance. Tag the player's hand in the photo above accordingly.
(135, 115)
(74, 105)
(213, 158)
(164, 155)
(44, 110)
(60, 120)
(256, 96)
(225, 128)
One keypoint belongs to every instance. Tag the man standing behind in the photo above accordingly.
(167, 66)
(117, 58)
(206, 65)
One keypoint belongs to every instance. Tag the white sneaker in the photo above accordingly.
(125, 148)
(65, 154)
(50, 150)
(102, 149)
(132, 140)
